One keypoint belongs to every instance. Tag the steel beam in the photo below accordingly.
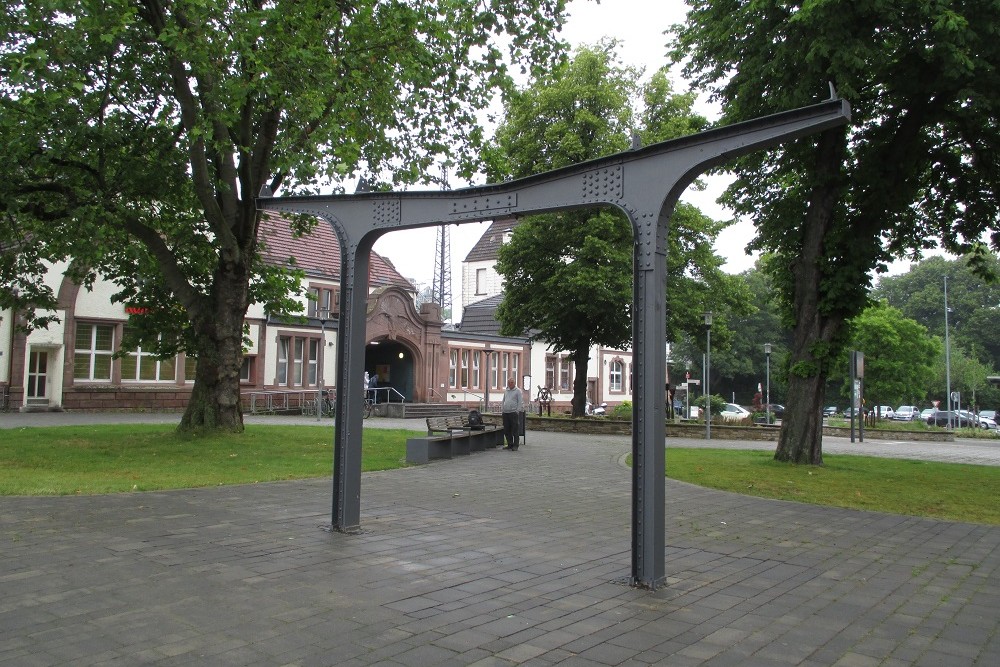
(645, 183)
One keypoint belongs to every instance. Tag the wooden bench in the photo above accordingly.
(451, 436)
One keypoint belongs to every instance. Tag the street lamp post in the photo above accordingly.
(323, 315)
(708, 370)
(767, 386)
(947, 354)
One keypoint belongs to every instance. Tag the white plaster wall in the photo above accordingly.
(6, 336)
(53, 277)
(97, 302)
(254, 337)
(492, 285)
(53, 335)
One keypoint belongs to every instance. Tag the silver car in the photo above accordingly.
(906, 413)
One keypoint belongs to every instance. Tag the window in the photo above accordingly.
(190, 367)
(495, 371)
(296, 366)
(246, 370)
(92, 356)
(322, 300)
(476, 358)
(141, 366)
(464, 380)
(313, 356)
(480, 281)
(453, 369)
(565, 374)
(282, 374)
(505, 366)
(297, 361)
(615, 375)
(550, 372)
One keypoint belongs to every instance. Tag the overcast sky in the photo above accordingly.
(639, 26)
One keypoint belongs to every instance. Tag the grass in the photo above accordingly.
(129, 458)
(956, 492)
(118, 458)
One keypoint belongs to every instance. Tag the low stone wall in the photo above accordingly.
(720, 431)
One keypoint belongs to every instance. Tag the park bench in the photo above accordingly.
(451, 436)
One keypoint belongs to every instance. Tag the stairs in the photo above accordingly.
(424, 410)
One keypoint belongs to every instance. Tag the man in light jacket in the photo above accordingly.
(511, 409)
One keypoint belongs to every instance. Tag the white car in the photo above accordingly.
(734, 412)
(906, 413)
(884, 411)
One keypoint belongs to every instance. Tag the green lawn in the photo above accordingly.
(951, 491)
(115, 458)
(123, 458)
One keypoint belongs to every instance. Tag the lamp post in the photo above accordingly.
(767, 385)
(708, 370)
(323, 315)
(947, 354)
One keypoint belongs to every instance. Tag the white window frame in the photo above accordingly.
(93, 353)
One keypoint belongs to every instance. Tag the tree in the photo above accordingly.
(738, 359)
(137, 135)
(568, 276)
(920, 162)
(973, 302)
(901, 357)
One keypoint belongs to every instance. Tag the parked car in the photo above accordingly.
(906, 413)
(850, 412)
(925, 413)
(830, 410)
(992, 414)
(940, 418)
(884, 411)
(987, 422)
(979, 420)
(734, 412)
(777, 410)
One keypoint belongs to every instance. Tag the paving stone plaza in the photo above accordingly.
(499, 558)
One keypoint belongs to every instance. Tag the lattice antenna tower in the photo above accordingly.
(441, 283)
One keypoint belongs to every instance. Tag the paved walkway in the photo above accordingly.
(499, 558)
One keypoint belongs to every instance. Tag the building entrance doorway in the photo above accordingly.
(37, 388)
(389, 364)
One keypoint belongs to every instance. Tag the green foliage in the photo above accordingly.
(900, 357)
(973, 302)
(568, 276)
(622, 411)
(918, 168)
(137, 134)
(715, 402)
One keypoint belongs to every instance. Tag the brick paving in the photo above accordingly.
(499, 558)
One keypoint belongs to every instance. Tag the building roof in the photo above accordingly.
(480, 317)
(489, 243)
(318, 252)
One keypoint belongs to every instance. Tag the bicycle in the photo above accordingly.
(369, 408)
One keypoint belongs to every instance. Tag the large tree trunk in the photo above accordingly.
(801, 438)
(580, 362)
(215, 397)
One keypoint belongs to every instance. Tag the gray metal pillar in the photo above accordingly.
(645, 183)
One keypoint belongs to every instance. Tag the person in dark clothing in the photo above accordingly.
(511, 409)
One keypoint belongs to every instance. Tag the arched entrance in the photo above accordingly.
(392, 363)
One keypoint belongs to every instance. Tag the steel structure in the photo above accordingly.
(645, 184)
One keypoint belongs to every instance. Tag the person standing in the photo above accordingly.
(511, 410)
